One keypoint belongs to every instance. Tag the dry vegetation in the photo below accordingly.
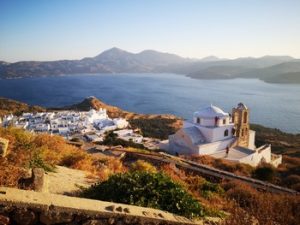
(8, 106)
(42, 150)
(287, 174)
(245, 204)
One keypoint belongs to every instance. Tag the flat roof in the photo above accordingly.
(234, 154)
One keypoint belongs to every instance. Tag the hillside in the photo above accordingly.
(244, 203)
(8, 106)
(276, 69)
(150, 125)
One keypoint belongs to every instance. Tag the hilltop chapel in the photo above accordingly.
(221, 135)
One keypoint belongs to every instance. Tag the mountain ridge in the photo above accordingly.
(116, 60)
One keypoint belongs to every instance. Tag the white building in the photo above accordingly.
(67, 123)
(216, 133)
(129, 135)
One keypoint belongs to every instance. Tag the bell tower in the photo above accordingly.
(240, 118)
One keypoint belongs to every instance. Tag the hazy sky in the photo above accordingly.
(73, 29)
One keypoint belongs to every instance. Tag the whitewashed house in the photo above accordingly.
(129, 135)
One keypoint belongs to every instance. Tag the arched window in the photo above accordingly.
(224, 121)
(198, 120)
(226, 133)
(245, 117)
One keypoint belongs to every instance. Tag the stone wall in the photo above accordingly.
(30, 207)
(3, 147)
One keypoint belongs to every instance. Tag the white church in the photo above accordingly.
(218, 134)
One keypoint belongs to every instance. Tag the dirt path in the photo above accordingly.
(67, 181)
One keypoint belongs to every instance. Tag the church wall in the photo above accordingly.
(210, 122)
(207, 133)
(181, 144)
(216, 133)
(256, 158)
(211, 148)
(252, 139)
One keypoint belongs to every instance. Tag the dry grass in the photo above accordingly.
(25, 148)
(267, 208)
(141, 165)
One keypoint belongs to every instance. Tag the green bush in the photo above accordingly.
(208, 189)
(37, 162)
(154, 190)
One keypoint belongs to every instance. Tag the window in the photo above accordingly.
(245, 117)
(226, 133)
(198, 120)
(224, 121)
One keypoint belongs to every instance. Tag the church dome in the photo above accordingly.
(211, 112)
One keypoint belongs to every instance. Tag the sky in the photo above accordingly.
(74, 29)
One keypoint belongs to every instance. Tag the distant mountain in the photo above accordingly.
(266, 68)
(111, 61)
(115, 60)
(210, 58)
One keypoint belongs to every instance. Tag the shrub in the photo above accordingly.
(265, 173)
(38, 162)
(27, 149)
(141, 165)
(208, 186)
(243, 194)
(154, 190)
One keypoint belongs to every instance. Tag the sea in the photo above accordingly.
(271, 105)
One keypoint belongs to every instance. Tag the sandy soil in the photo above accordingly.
(67, 181)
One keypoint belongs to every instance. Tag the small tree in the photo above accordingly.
(154, 190)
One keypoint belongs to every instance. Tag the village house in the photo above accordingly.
(221, 135)
(94, 123)
(129, 135)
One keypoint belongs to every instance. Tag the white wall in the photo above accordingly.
(256, 158)
(210, 122)
(211, 148)
(252, 140)
(216, 133)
